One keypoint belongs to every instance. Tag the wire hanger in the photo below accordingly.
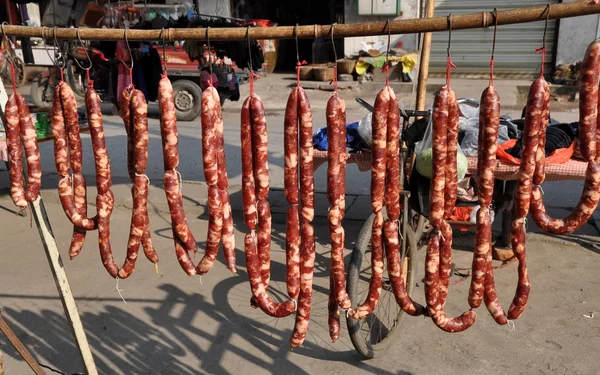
(542, 50)
(493, 47)
(335, 81)
(130, 67)
(9, 57)
(449, 63)
(87, 70)
(298, 62)
(387, 64)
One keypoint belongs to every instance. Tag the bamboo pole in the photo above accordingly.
(408, 26)
(424, 63)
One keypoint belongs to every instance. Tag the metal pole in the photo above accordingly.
(424, 63)
(408, 26)
(18, 345)
(62, 284)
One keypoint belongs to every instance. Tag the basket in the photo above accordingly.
(323, 73)
(346, 66)
(306, 72)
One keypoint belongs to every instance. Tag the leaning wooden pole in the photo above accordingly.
(408, 26)
(424, 62)
(20, 348)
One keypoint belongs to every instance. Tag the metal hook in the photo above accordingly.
(449, 33)
(60, 60)
(129, 50)
(333, 44)
(546, 26)
(86, 53)
(495, 30)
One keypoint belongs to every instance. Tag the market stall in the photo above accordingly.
(391, 166)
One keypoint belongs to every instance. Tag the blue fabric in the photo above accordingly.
(353, 140)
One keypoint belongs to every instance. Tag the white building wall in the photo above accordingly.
(409, 9)
(574, 36)
(215, 7)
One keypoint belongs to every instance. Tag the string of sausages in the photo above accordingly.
(588, 141)
(300, 234)
(257, 211)
(134, 112)
(182, 236)
(220, 222)
(20, 133)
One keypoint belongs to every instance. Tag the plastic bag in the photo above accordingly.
(424, 156)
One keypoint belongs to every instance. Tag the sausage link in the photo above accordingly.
(79, 234)
(209, 139)
(139, 193)
(535, 119)
(334, 312)
(264, 240)
(32, 152)
(67, 200)
(71, 117)
(248, 185)
(168, 123)
(215, 229)
(489, 121)
(140, 131)
(378, 149)
(228, 235)
(101, 159)
(307, 181)
(292, 251)
(223, 180)
(15, 152)
(581, 213)
(451, 192)
(336, 155)
(105, 204)
(182, 254)
(127, 116)
(290, 144)
(259, 291)
(61, 153)
(336, 234)
(376, 280)
(392, 176)
(306, 285)
(260, 147)
(149, 250)
(437, 266)
(395, 271)
(432, 290)
(178, 219)
(588, 135)
(490, 298)
(588, 102)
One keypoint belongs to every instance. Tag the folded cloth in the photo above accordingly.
(353, 140)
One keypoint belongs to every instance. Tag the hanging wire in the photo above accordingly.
(298, 62)
(87, 70)
(60, 59)
(251, 75)
(387, 65)
(335, 81)
(9, 57)
(543, 49)
(164, 56)
(209, 54)
(449, 63)
(130, 67)
(493, 47)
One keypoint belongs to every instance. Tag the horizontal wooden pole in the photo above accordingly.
(408, 26)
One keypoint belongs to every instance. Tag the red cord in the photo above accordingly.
(298, 64)
(251, 80)
(386, 69)
(449, 64)
(542, 50)
(334, 80)
(62, 74)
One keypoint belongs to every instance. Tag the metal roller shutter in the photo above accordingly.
(471, 49)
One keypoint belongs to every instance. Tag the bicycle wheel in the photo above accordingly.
(374, 334)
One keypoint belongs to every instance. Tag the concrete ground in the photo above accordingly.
(174, 324)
